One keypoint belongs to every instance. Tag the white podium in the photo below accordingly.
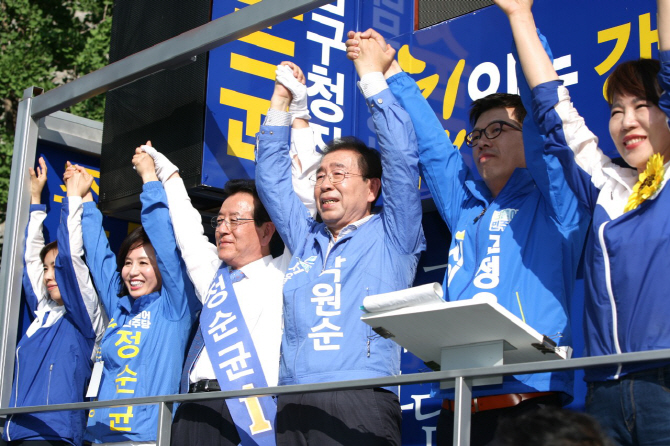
(464, 334)
(461, 335)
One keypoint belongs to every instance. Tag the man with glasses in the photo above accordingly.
(353, 253)
(509, 242)
(243, 231)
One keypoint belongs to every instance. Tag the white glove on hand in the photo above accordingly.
(298, 107)
(164, 167)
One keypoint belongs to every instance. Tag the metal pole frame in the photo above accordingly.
(164, 429)
(34, 105)
(18, 202)
(462, 413)
(173, 52)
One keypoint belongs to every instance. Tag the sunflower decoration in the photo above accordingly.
(648, 183)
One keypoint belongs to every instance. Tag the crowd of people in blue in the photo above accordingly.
(171, 312)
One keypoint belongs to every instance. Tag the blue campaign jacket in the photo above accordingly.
(144, 346)
(523, 247)
(626, 261)
(324, 338)
(53, 359)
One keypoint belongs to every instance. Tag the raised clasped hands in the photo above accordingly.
(289, 81)
(144, 165)
(290, 90)
(371, 57)
(381, 61)
(77, 180)
(164, 168)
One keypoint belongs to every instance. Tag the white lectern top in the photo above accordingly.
(426, 330)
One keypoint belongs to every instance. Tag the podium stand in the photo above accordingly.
(461, 335)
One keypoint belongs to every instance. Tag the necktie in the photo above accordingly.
(236, 275)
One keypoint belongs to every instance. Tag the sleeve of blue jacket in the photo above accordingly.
(400, 173)
(664, 82)
(77, 291)
(33, 269)
(441, 164)
(275, 187)
(541, 158)
(179, 293)
(562, 131)
(100, 259)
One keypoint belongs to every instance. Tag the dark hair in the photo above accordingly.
(497, 100)
(550, 426)
(233, 187)
(369, 160)
(636, 78)
(48, 247)
(134, 240)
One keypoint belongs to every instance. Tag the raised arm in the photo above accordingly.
(548, 157)
(100, 259)
(179, 294)
(304, 162)
(33, 269)
(304, 157)
(441, 165)
(566, 163)
(77, 290)
(200, 256)
(537, 66)
(274, 181)
(398, 148)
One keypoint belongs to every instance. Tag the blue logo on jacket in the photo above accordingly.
(299, 267)
(501, 219)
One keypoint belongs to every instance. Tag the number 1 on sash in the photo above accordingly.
(258, 421)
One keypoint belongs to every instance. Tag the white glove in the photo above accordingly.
(164, 167)
(298, 107)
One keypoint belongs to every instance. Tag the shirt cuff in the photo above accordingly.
(372, 84)
(75, 200)
(277, 118)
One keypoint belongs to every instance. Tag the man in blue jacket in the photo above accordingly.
(517, 234)
(353, 253)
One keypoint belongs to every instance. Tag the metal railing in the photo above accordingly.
(462, 379)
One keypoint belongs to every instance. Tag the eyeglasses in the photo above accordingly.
(491, 131)
(336, 176)
(231, 224)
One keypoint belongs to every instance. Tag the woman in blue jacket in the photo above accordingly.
(151, 305)
(626, 261)
(53, 358)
